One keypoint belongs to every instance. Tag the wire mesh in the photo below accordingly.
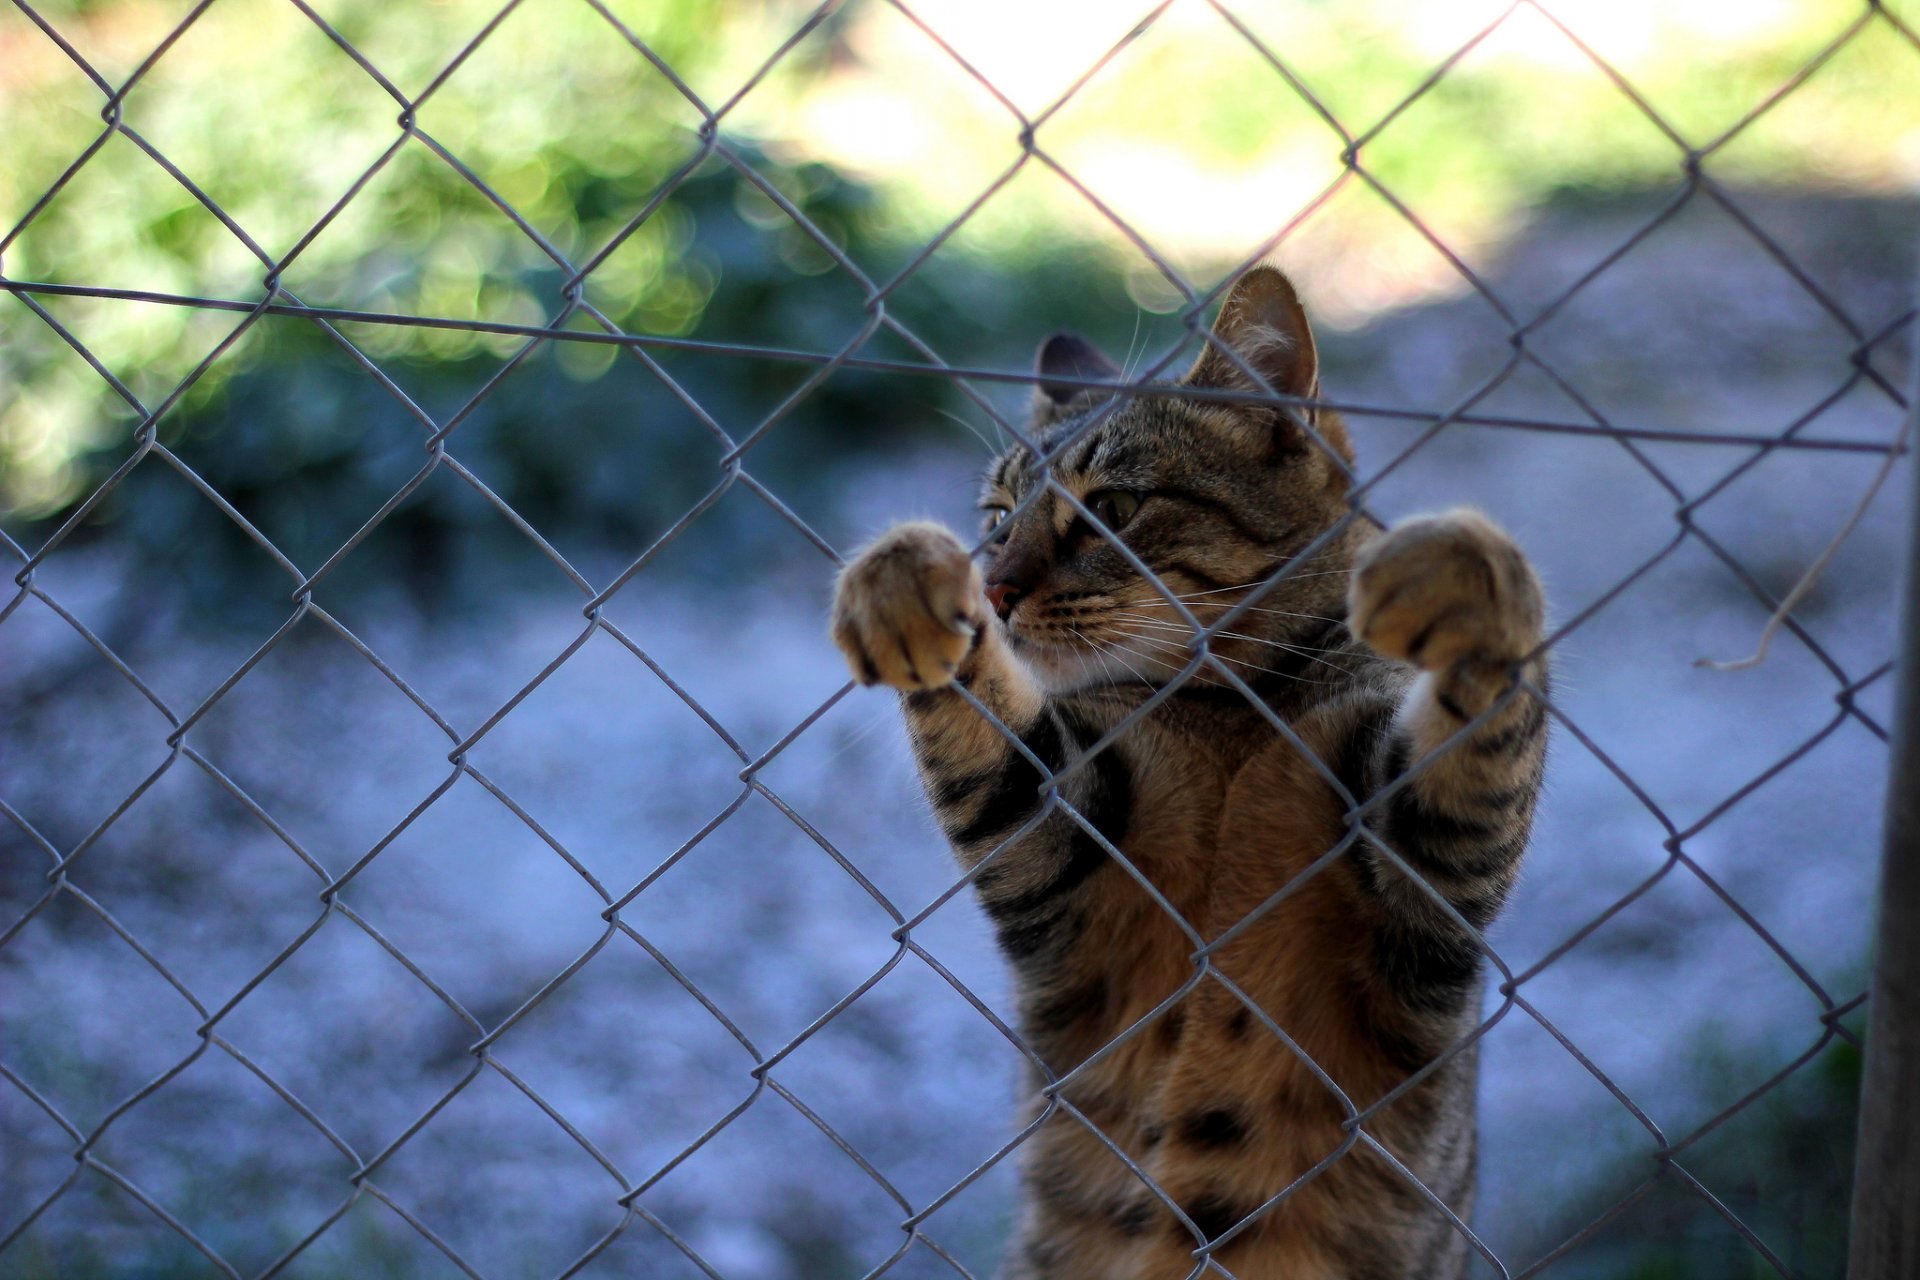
(758, 1070)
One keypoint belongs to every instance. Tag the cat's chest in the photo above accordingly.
(1212, 792)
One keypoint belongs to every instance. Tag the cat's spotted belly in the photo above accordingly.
(1257, 1085)
(1219, 1136)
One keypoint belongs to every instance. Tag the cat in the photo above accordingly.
(1376, 651)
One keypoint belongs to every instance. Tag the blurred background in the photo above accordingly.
(1697, 216)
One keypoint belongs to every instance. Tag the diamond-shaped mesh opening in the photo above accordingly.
(75, 972)
(451, 918)
(178, 1147)
(122, 206)
(1463, 208)
(367, 1228)
(1284, 154)
(413, 235)
(1877, 49)
(1741, 87)
(59, 89)
(340, 1017)
(196, 545)
(291, 737)
(497, 1135)
(134, 867)
(506, 120)
(1690, 267)
(147, 349)
(101, 768)
(640, 1099)
(441, 839)
(272, 192)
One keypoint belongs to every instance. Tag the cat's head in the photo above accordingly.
(1211, 496)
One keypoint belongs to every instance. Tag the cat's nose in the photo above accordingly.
(1003, 596)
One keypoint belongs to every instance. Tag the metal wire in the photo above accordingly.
(759, 1079)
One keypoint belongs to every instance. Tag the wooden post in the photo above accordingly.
(1885, 1242)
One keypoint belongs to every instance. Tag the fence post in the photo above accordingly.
(1885, 1241)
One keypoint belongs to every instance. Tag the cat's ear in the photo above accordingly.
(1264, 325)
(1068, 355)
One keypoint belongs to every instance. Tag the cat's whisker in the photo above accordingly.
(1168, 624)
(858, 736)
(992, 449)
(1238, 662)
(1111, 651)
(1278, 613)
(1250, 586)
(1254, 609)
(1184, 629)
(1169, 645)
(1312, 655)
(1114, 651)
(1094, 648)
(1126, 366)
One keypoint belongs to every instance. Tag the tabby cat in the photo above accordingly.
(1377, 650)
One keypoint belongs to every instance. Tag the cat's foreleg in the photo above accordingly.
(910, 612)
(1453, 595)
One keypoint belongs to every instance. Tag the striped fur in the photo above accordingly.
(1350, 968)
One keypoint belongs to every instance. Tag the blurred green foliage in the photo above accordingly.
(306, 445)
(584, 442)
(565, 118)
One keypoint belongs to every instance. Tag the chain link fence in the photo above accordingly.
(399, 1173)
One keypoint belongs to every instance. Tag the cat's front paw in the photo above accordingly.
(1439, 590)
(907, 609)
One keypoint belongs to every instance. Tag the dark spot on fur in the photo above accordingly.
(1043, 1254)
(1214, 1128)
(1025, 939)
(1064, 1008)
(1213, 1214)
(1360, 1260)
(925, 700)
(1405, 1050)
(1431, 969)
(1107, 807)
(1054, 1185)
(1172, 1023)
(1132, 1218)
(1240, 1023)
(1151, 1135)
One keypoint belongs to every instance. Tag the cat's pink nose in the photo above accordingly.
(1003, 596)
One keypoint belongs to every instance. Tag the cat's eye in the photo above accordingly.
(995, 516)
(1114, 506)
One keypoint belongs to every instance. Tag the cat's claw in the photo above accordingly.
(908, 609)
